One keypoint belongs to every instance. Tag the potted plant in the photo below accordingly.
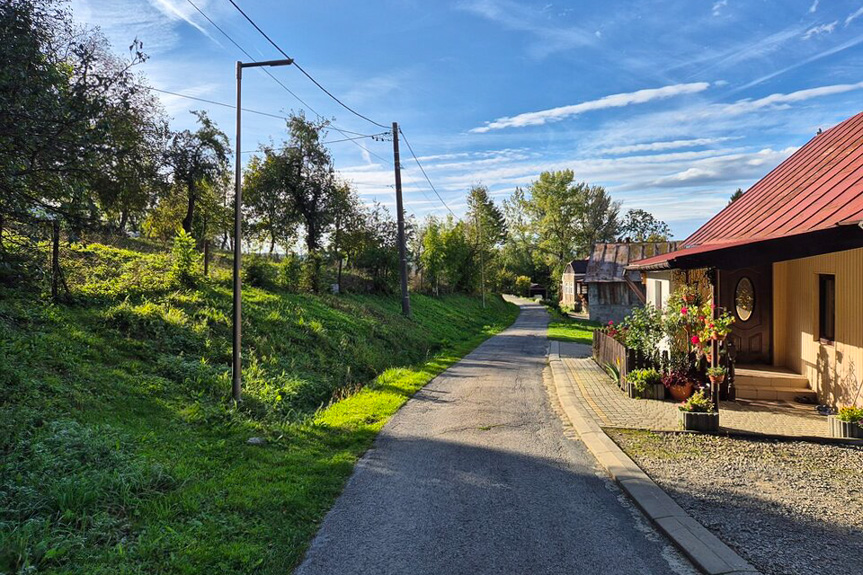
(848, 422)
(678, 384)
(698, 413)
(645, 384)
(716, 375)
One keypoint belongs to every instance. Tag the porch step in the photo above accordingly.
(774, 393)
(771, 383)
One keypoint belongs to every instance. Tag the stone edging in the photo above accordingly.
(704, 549)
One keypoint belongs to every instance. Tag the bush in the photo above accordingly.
(522, 286)
(643, 330)
(850, 414)
(258, 272)
(641, 378)
(184, 268)
(698, 402)
(290, 271)
(310, 276)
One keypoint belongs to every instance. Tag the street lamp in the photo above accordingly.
(237, 382)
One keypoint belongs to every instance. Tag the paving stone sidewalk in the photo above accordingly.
(612, 408)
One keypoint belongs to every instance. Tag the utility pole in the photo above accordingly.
(237, 379)
(400, 218)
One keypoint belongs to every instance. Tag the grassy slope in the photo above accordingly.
(120, 453)
(566, 328)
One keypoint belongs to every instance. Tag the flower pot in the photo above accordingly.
(681, 392)
(716, 379)
(694, 421)
(840, 428)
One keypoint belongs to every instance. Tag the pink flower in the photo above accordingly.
(695, 340)
(684, 310)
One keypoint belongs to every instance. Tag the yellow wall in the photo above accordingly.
(835, 372)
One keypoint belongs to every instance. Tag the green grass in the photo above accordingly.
(121, 452)
(565, 328)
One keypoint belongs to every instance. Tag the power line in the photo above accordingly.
(280, 83)
(213, 102)
(301, 69)
(376, 137)
(426, 175)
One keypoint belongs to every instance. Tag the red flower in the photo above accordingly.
(610, 323)
(684, 310)
(695, 340)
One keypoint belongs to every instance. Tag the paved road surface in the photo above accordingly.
(474, 475)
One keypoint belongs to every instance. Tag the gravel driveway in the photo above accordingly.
(788, 507)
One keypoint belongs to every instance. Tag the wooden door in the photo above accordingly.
(747, 293)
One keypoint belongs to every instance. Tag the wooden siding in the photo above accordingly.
(835, 371)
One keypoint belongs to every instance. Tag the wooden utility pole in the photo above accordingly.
(400, 218)
(55, 259)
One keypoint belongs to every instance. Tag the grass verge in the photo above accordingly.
(563, 327)
(120, 452)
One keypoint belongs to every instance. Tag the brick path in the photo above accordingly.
(612, 408)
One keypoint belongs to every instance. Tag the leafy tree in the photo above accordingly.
(266, 202)
(597, 218)
(486, 227)
(199, 160)
(433, 251)
(62, 95)
(642, 226)
(348, 221)
(374, 248)
(519, 253)
(555, 208)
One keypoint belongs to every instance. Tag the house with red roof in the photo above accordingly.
(787, 259)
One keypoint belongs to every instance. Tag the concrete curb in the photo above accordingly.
(705, 550)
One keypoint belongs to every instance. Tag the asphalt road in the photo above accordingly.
(475, 475)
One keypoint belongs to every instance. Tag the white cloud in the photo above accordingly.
(612, 101)
(854, 16)
(814, 7)
(782, 100)
(718, 6)
(547, 38)
(662, 146)
(819, 30)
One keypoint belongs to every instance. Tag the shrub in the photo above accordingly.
(675, 378)
(643, 330)
(310, 275)
(698, 402)
(641, 378)
(258, 272)
(522, 286)
(183, 270)
(290, 271)
(850, 414)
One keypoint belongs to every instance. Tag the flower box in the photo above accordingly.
(698, 421)
(652, 391)
(839, 428)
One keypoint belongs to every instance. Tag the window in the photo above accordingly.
(744, 299)
(657, 294)
(827, 307)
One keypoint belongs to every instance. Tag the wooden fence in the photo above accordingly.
(607, 351)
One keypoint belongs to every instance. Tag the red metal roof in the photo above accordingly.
(820, 186)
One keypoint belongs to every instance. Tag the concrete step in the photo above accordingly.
(773, 393)
(769, 377)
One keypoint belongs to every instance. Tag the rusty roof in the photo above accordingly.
(818, 187)
(608, 262)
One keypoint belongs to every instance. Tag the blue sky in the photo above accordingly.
(670, 105)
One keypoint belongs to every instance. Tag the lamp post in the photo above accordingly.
(237, 380)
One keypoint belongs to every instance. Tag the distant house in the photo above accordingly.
(786, 259)
(612, 291)
(572, 286)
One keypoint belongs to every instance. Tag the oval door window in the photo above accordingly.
(744, 298)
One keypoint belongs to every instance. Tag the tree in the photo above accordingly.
(519, 253)
(555, 208)
(199, 160)
(598, 217)
(348, 221)
(486, 227)
(735, 196)
(266, 202)
(642, 226)
(62, 94)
